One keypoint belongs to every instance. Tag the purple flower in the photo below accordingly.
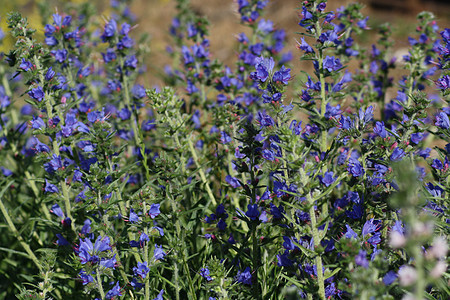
(370, 227)
(355, 168)
(141, 269)
(50, 188)
(283, 259)
(225, 138)
(158, 253)
(283, 75)
(443, 83)
(265, 120)
(56, 209)
(160, 296)
(328, 179)
(361, 259)
(331, 63)
(88, 252)
(60, 55)
(25, 65)
(349, 234)
(268, 154)
(276, 212)
(304, 46)
(37, 93)
(61, 240)
(115, 291)
(380, 129)
(204, 272)
(264, 67)
(154, 211)
(222, 225)
(133, 218)
(397, 154)
(442, 120)
(110, 29)
(417, 137)
(264, 26)
(86, 278)
(389, 278)
(252, 211)
(244, 277)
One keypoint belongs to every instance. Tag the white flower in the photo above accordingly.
(407, 275)
(440, 247)
(396, 240)
(438, 269)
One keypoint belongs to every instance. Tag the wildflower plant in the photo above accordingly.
(213, 186)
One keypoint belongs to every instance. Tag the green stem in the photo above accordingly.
(13, 228)
(315, 233)
(200, 171)
(99, 284)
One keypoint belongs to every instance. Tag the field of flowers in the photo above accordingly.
(227, 182)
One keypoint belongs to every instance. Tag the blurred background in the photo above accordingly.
(153, 17)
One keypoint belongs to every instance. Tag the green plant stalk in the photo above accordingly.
(13, 228)
(202, 174)
(99, 284)
(318, 258)
(36, 194)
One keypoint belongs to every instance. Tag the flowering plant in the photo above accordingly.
(213, 186)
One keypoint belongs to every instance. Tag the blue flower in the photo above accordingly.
(327, 179)
(252, 211)
(355, 168)
(115, 291)
(331, 63)
(25, 65)
(283, 259)
(443, 83)
(50, 188)
(110, 29)
(37, 93)
(204, 272)
(283, 75)
(160, 296)
(304, 46)
(361, 259)
(86, 278)
(158, 253)
(389, 278)
(442, 120)
(141, 269)
(397, 154)
(349, 234)
(133, 218)
(154, 210)
(264, 67)
(88, 252)
(244, 277)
